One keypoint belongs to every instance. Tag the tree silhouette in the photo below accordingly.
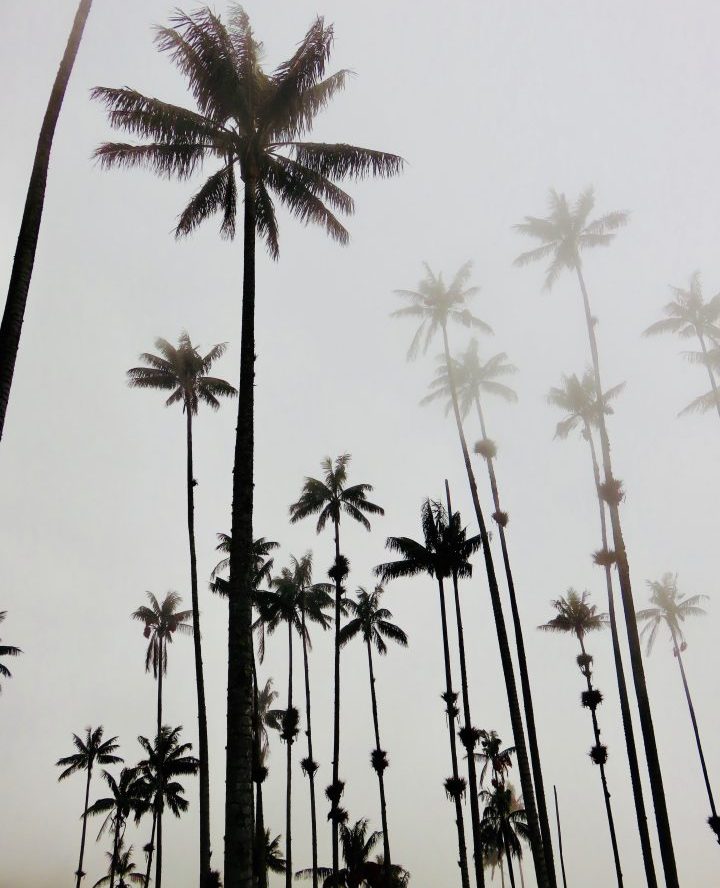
(6, 650)
(124, 868)
(494, 757)
(503, 826)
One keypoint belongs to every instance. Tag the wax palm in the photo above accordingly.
(124, 869)
(6, 650)
(89, 751)
(576, 396)
(372, 622)
(263, 563)
(504, 825)
(357, 846)
(264, 717)
(494, 756)
(273, 855)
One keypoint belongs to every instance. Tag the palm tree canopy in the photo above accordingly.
(182, 371)
(90, 751)
(434, 303)
(249, 122)
(356, 846)
(124, 868)
(688, 314)
(578, 399)
(565, 232)
(371, 621)
(161, 622)
(670, 609)
(330, 497)
(129, 795)
(7, 650)
(268, 717)
(575, 615)
(263, 564)
(274, 859)
(494, 756)
(504, 822)
(167, 759)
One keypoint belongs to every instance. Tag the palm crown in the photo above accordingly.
(575, 615)
(167, 759)
(504, 822)
(357, 846)
(371, 621)
(494, 756)
(128, 796)
(578, 399)
(688, 314)
(670, 609)
(123, 870)
(7, 650)
(90, 751)
(263, 564)
(161, 622)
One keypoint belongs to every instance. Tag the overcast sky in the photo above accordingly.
(492, 104)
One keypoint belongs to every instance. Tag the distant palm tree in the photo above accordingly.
(689, 315)
(494, 757)
(24, 260)
(6, 650)
(372, 622)
(576, 616)
(670, 608)
(167, 759)
(90, 751)
(273, 856)
(124, 869)
(264, 717)
(184, 372)
(504, 825)
(564, 234)
(329, 498)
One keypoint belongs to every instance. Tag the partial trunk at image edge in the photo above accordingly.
(311, 763)
(288, 789)
(259, 861)
(335, 802)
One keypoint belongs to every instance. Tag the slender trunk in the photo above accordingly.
(259, 862)
(80, 872)
(199, 677)
(502, 874)
(533, 745)
(509, 863)
(116, 844)
(161, 670)
(311, 762)
(379, 770)
(628, 729)
(335, 802)
(288, 792)
(526, 781)
(713, 384)
(522, 874)
(451, 716)
(148, 869)
(239, 828)
(22, 269)
(646, 723)
(560, 844)
(158, 856)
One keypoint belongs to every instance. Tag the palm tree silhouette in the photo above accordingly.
(435, 304)
(372, 622)
(273, 855)
(6, 650)
(504, 825)
(576, 616)
(563, 236)
(90, 751)
(494, 756)
(329, 499)
(254, 122)
(124, 869)
(689, 315)
(670, 608)
(264, 717)
(167, 759)
(184, 372)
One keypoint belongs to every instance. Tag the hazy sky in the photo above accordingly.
(492, 104)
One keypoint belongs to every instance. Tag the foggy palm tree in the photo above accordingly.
(689, 315)
(184, 372)
(670, 608)
(329, 498)
(253, 123)
(6, 650)
(563, 235)
(124, 869)
(576, 616)
(22, 269)
(372, 622)
(494, 757)
(503, 826)
(90, 751)
(435, 304)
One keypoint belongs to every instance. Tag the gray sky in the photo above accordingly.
(491, 104)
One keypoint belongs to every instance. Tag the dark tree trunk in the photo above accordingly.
(311, 763)
(646, 723)
(288, 790)
(158, 856)
(560, 844)
(526, 781)
(161, 670)
(239, 828)
(22, 269)
(509, 863)
(335, 803)
(713, 384)
(148, 869)
(116, 845)
(259, 862)
(379, 770)
(80, 872)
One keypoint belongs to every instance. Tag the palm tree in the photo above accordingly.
(563, 236)
(576, 616)
(184, 372)
(24, 260)
(264, 717)
(253, 122)
(90, 751)
(372, 622)
(435, 304)
(6, 650)
(577, 398)
(124, 868)
(670, 608)
(436, 558)
(494, 756)
(161, 621)
(329, 499)
(167, 759)
(504, 825)
(273, 855)
(689, 315)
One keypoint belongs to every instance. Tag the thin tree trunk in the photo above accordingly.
(335, 802)
(381, 780)
(509, 863)
(646, 723)
(628, 729)
(711, 375)
(259, 861)
(158, 856)
(451, 716)
(116, 843)
(148, 869)
(526, 781)
(161, 670)
(80, 872)
(22, 269)
(239, 827)
(502, 874)
(311, 764)
(560, 844)
(288, 793)
(522, 875)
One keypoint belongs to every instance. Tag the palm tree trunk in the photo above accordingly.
(522, 875)
(560, 844)
(148, 870)
(533, 745)
(259, 862)
(646, 723)
(335, 802)
(711, 375)
(158, 856)
(526, 781)
(199, 677)
(451, 716)
(502, 874)
(509, 863)
(21, 274)
(239, 827)
(379, 770)
(80, 872)
(161, 670)
(311, 762)
(116, 844)
(288, 793)
(628, 729)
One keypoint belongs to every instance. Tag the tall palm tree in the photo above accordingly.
(184, 372)
(564, 234)
(124, 868)
(253, 123)
(576, 616)
(89, 752)
(435, 304)
(372, 622)
(689, 315)
(22, 269)
(495, 757)
(670, 608)
(6, 650)
(435, 557)
(161, 621)
(504, 825)
(167, 759)
(576, 397)
(329, 498)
